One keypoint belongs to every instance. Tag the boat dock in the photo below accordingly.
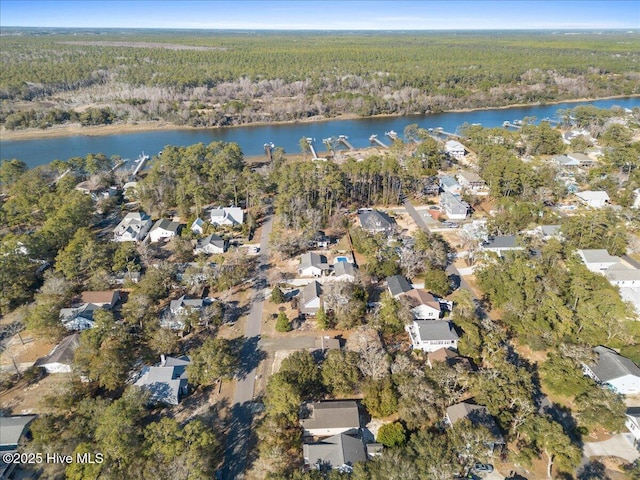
(374, 139)
(345, 141)
(268, 147)
(313, 150)
(515, 125)
(140, 161)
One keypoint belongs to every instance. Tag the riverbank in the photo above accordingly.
(61, 131)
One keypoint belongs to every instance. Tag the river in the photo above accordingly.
(252, 138)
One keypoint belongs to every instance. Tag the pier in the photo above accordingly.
(345, 141)
(140, 160)
(311, 148)
(268, 147)
(508, 124)
(374, 139)
(393, 136)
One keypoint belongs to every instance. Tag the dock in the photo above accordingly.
(345, 141)
(141, 161)
(313, 150)
(268, 147)
(374, 139)
(508, 124)
(393, 136)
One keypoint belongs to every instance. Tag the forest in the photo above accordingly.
(208, 78)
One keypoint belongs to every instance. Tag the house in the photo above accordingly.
(104, 298)
(339, 452)
(167, 381)
(344, 272)
(583, 160)
(423, 304)
(450, 185)
(211, 244)
(197, 226)
(162, 229)
(615, 371)
(320, 240)
(78, 318)
(310, 299)
(454, 149)
(12, 429)
(398, 285)
(375, 221)
(453, 207)
(331, 418)
(633, 423)
(472, 183)
(598, 260)
(565, 162)
(313, 265)
(133, 227)
(60, 360)
(623, 277)
(478, 415)
(500, 244)
(593, 199)
(185, 306)
(547, 232)
(96, 191)
(227, 216)
(431, 335)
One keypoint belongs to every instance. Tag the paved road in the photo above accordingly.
(631, 261)
(241, 410)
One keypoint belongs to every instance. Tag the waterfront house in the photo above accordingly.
(454, 149)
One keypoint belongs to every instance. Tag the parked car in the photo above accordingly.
(480, 468)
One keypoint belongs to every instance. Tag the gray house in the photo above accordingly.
(398, 285)
(211, 244)
(167, 382)
(339, 452)
(331, 418)
(454, 208)
(60, 360)
(313, 265)
(477, 415)
(615, 371)
(375, 221)
(500, 244)
(310, 299)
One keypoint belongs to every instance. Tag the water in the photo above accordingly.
(252, 138)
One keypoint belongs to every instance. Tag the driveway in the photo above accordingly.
(617, 446)
(288, 343)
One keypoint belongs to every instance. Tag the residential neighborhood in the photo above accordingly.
(463, 312)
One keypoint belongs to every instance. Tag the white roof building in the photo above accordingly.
(593, 199)
(162, 229)
(454, 149)
(431, 335)
(615, 371)
(133, 227)
(227, 216)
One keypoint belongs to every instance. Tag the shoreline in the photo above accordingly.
(150, 126)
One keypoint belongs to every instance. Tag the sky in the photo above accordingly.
(324, 15)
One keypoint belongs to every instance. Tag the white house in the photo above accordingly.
(212, 244)
(344, 272)
(197, 226)
(431, 335)
(331, 418)
(78, 318)
(453, 207)
(133, 227)
(227, 216)
(423, 304)
(472, 183)
(60, 360)
(454, 149)
(633, 423)
(593, 199)
(623, 277)
(449, 184)
(313, 265)
(163, 229)
(598, 260)
(615, 371)
(310, 299)
(185, 306)
(500, 244)
(167, 381)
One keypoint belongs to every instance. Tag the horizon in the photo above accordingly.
(349, 15)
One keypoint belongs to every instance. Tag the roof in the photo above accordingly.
(597, 256)
(63, 352)
(430, 330)
(591, 195)
(344, 268)
(442, 355)
(477, 414)
(333, 414)
(335, 451)
(12, 428)
(471, 177)
(623, 275)
(611, 365)
(453, 204)
(550, 230)
(165, 380)
(83, 311)
(634, 412)
(418, 296)
(311, 259)
(232, 214)
(310, 292)
(165, 224)
(453, 145)
(448, 181)
(398, 285)
(374, 220)
(212, 239)
(184, 302)
(581, 157)
(100, 297)
(501, 242)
